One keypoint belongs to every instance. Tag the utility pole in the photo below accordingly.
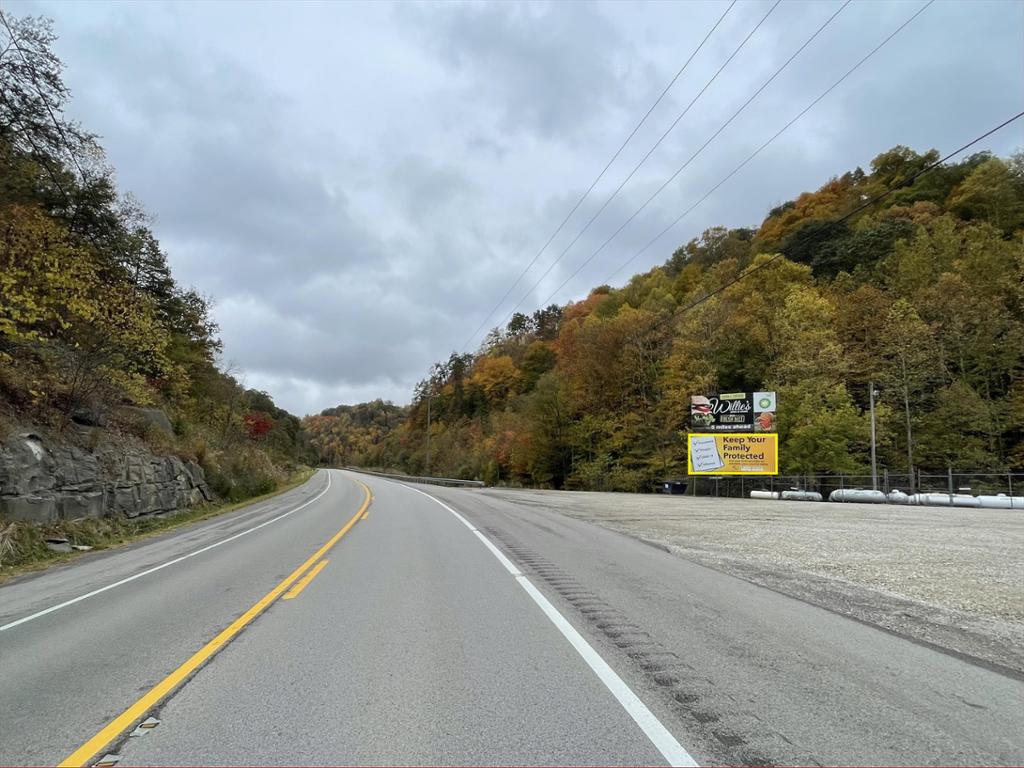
(874, 462)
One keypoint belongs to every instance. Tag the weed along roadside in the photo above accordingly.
(28, 547)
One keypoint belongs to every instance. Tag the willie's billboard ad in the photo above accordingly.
(733, 412)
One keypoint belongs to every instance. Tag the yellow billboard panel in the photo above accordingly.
(722, 453)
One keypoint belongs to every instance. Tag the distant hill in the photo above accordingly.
(356, 434)
(921, 294)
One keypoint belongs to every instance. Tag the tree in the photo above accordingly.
(59, 163)
(90, 316)
(1016, 422)
(915, 264)
(498, 377)
(896, 166)
(46, 279)
(806, 345)
(538, 359)
(912, 364)
(546, 322)
(258, 424)
(990, 193)
(32, 96)
(519, 325)
(829, 202)
(821, 429)
(545, 455)
(822, 244)
(961, 412)
(714, 245)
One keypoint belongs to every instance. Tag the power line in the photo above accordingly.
(604, 170)
(694, 156)
(644, 158)
(26, 128)
(40, 152)
(905, 183)
(778, 133)
(42, 98)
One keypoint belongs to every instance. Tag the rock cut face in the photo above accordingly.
(42, 482)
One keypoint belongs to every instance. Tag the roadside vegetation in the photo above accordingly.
(922, 294)
(94, 330)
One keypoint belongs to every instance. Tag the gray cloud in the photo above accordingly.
(501, 53)
(357, 184)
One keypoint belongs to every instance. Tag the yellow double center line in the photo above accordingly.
(302, 583)
(160, 691)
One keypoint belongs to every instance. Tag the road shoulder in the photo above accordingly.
(772, 545)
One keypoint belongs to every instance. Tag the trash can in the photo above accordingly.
(674, 487)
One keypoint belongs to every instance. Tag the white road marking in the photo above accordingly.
(652, 727)
(462, 520)
(499, 554)
(659, 735)
(509, 565)
(169, 563)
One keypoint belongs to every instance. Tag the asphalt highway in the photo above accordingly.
(356, 620)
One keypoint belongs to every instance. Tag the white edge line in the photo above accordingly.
(659, 735)
(509, 565)
(175, 561)
(436, 500)
(500, 555)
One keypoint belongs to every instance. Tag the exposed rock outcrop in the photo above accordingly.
(43, 482)
(153, 416)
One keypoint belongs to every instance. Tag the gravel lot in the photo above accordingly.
(950, 577)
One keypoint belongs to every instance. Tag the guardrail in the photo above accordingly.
(446, 481)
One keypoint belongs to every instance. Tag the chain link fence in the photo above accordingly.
(977, 483)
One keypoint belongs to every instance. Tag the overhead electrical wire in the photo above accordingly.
(864, 206)
(765, 145)
(696, 154)
(599, 176)
(636, 168)
(580, 202)
(27, 129)
(42, 98)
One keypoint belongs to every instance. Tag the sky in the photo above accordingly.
(356, 185)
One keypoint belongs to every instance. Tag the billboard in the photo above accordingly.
(733, 412)
(719, 453)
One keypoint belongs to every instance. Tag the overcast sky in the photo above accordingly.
(356, 185)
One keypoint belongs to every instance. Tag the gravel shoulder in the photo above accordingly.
(953, 578)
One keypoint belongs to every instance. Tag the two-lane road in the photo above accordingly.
(437, 626)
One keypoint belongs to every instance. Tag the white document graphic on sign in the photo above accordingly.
(704, 455)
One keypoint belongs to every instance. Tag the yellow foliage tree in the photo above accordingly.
(45, 279)
(53, 292)
(497, 376)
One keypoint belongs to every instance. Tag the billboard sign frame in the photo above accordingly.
(734, 412)
(712, 452)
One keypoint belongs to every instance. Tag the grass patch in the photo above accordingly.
(23, 545)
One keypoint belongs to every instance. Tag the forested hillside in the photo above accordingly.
(355, 435)
(922, 293)
(92, 323)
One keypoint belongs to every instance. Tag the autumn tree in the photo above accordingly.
(912, 365)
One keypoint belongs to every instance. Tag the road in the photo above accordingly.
(356, 620)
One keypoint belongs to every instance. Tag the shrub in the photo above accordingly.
(241, 474)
